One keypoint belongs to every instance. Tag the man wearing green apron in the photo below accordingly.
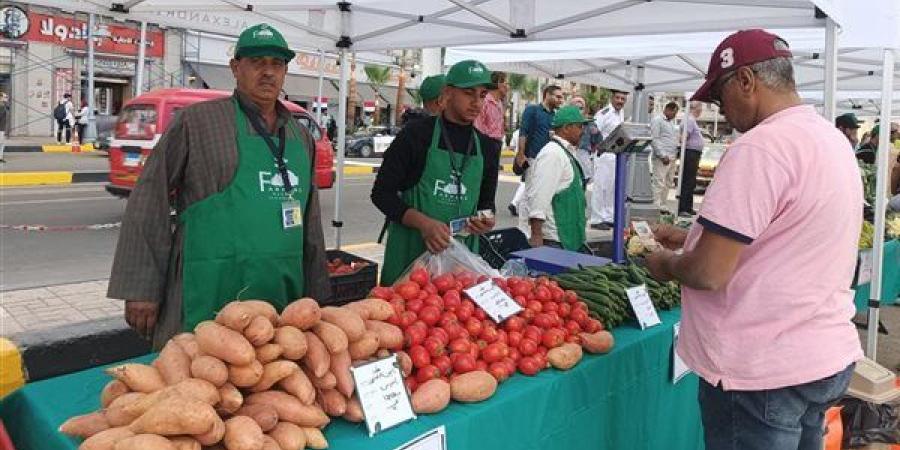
(239, 170)
(553, 212)
(436, 171)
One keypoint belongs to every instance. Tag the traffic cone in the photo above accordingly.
(76, 142)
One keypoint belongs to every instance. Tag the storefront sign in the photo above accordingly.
(109, 38)
(229, 24)
(14, 22)
(115, 66)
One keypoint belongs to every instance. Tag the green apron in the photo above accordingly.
(435, 195)
(569, 208)
(235, 244)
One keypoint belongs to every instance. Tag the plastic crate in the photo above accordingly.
(495, 246)
(352, 286)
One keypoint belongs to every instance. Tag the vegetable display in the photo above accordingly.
(338, 267)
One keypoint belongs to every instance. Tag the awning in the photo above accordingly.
(220, 77)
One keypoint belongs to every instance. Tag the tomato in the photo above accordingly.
(499, 281)
(430, 289)
(407, 289)
(572, 327)
(571, 296)
(514, 323)
(527, 347)
(495, 352)
(435, 300)
(407, 319)
(564, 310)
(532, 332)
(499, 370)
(579, 316)
(501, 336)
(467, 279)
(480, 314)
(475, 350)
(514, 354)
(454, 330)
(422, 295)
(447, 318)
(541, 359)
(510, 365)
(553, 338)
(557, 294)
(543, 320)
(554, 317)
(520, 300)
(444, 365)
(419, 276)
(513, 338)
(473, 326)
(593, 326)
(481, 365)
(413, 336)
(520, 289)
(426, 373)
(384, 293)
(489, 334)
(440, 334)
(420, 324)
(574, 339)
(411, 384)
(463, 363)
(465, 310)
(533, 305)
(529, 366)
(543, 294)
(434, 346)
(430, 315)
(452, 300)
(550, 306)
(415, 305)
(541, 351)
(394, 319)
(527, 315)
(459, 345)
(419, 356)
(443, 283)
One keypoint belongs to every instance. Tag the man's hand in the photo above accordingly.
(520, 159)
(480, 226)
(658, 265)
(142, 316)
(669, 236)
(436, 235)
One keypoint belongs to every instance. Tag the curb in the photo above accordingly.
(46, 148)
(50, 178)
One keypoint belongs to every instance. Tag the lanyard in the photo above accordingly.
(255, 120)
(465, 161)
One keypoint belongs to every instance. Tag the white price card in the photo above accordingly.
(435, 439)
(866, 261)
(496, 303)
(382, 394)
(642, 306)
(679, 368)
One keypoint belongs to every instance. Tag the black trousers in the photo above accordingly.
(686, 196)
(60, 124)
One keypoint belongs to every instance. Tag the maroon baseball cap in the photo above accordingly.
(740, 49)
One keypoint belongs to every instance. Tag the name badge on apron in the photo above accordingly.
(458, 226)
(291, 214)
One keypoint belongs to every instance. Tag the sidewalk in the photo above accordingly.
(31, 144)
(30, 168)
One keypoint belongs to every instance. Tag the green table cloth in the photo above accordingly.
(890, 278)
(622, 400)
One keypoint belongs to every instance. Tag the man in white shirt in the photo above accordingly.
(665, 152)
(553, 210)
(603, 196)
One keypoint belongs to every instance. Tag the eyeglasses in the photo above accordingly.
(716, 91)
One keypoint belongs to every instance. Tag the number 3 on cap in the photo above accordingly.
(727, 57)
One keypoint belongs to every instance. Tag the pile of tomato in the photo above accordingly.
(338, 267)
(446, 333)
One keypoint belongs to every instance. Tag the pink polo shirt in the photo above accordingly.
(789, 190)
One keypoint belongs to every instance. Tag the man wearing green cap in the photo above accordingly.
(239, 172)
(553, 212)
(849, 126)
(430, 90)
(437, 171)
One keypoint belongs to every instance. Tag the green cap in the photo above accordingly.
(568, 115)
(469, 73)
(430, 88)
(262, 40)
(848, 120)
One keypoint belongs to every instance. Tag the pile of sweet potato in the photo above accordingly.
(249, 380)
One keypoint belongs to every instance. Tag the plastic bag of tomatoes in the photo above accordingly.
(457, 258)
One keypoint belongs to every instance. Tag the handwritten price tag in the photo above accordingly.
(496, 303)
(865, 267)
(679, 368)
(642, 306)
(435, 439)
(382, 394)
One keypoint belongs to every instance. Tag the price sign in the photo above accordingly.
(679, 368)
(435, 439)
(382, 394)
(496, 303)
(865, 267)
(642, 306)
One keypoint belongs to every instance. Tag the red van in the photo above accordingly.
(145, 117)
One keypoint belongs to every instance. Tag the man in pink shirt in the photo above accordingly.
(490, 121)
(766, 268)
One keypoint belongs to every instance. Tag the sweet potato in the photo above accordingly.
(144, 442)
(327, 381)
(599, 342)
(106, 439)
(86, 425)
(473, 386)
(116, 415)
(565, 356)
(302, 314)
(269, 443)
(354, 411)
(214, 435)
(274, 372)
(267, 353)
(406, 364)
(340, 367)
(292, 341)
(242, 433)
(361, 310)
(317, 359)
(173, 364)
(185, 443)
(365, 346)
(211, 369)
(224, 343)
(188, 343)
(262, 308)
(332, 336)
(382, 353)
(174, 416)
(138, 377)
(315, 439)
(192, 388)
(333, 402)
(378, 309)
(431, 397)
(290, 408)
(260, 331)
(235, 315)
(263, 414)
(289, 436)
(113, 390)
(298, 384)
(231, 399)
(245, 376)
(389, 336)
(345, 319)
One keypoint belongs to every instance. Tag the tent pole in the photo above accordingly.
(318, 102)
(687, 110)
(342, 141)
(90, 131)
(638, 99)
(887, 87)
(142, 50)
(831, 56)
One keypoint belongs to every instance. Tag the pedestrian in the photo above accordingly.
(553, 210)
(849, 126)
(693, 151)
(81, 121)
(604, 173)
(248, 219)
(63, 114)
(590, 140)
(490, 122)
(437, 171)
(430, 90)
(665, 146)
(766, 312)
(868, 150)
(534, 133)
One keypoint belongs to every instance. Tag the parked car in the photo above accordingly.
(371, 141)
(144, 118)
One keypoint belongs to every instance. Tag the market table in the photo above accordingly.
(890, 277)
(622, 400)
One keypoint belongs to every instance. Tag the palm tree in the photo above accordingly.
(594, 97)
(378, 76)
(522, 88)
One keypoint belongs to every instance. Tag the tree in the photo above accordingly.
(594, 97)
(522, 88)
(378, 76)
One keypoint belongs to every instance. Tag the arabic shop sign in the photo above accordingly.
(108, 38)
